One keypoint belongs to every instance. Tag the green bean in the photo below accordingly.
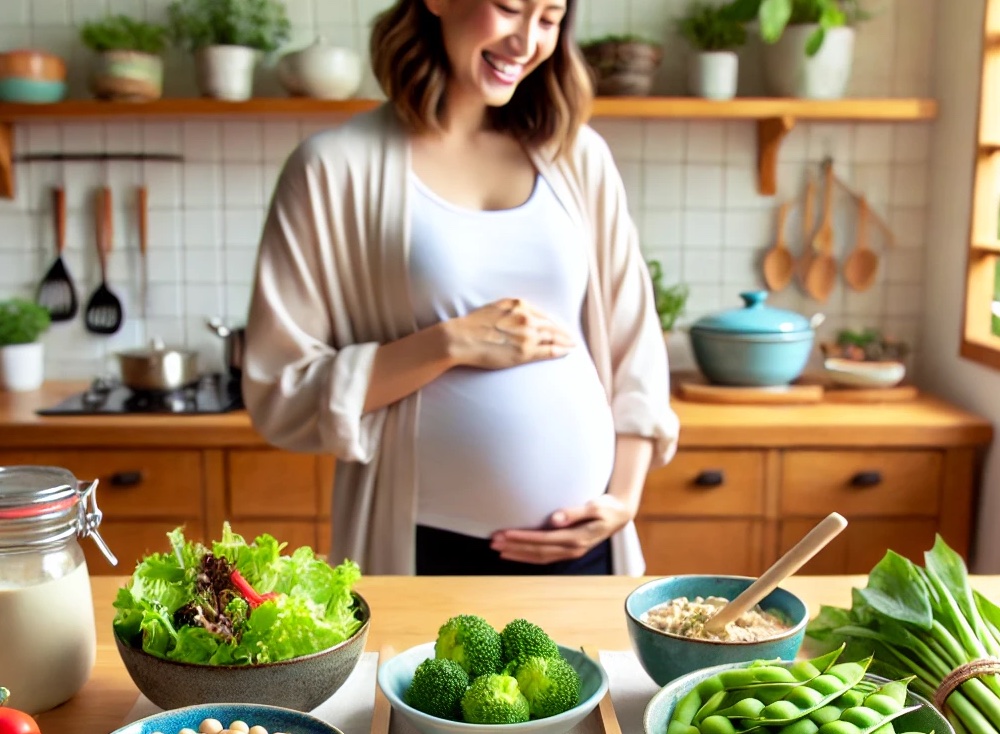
(717, 725)
(713, 704)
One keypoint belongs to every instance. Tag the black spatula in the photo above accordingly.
(104, 310)
(56, 292)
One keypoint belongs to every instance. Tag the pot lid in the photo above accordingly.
(755, 317)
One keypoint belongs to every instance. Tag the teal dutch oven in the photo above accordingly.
(753, 346)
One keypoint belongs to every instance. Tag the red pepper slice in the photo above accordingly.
(253, 598)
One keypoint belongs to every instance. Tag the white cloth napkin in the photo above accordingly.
(350, 708)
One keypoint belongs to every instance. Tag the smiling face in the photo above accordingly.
(494, 44)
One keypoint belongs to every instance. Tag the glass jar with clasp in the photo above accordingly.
(47, 636)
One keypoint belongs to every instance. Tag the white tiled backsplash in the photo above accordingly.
(691, 185)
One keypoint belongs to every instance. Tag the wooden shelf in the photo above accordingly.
(775, 117)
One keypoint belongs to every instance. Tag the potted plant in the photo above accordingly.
(22, 356)
(128, 66)
(670, 300)
(713, 70)
(226, 37)
(623, 65)
(809, 44)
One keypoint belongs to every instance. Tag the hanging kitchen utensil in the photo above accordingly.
(104, 310)
(861, 266)
(142, 202)
(778, 262)
(821, 277)
(56, 292)
(808, 253)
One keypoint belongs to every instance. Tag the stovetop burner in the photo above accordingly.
(213, 393)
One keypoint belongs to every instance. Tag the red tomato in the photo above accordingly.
(13, 721)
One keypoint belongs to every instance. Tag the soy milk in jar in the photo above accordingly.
(48, 640)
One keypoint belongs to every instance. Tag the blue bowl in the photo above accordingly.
(34, 91)
(667, 656)
(661, 706)
(395, 675)
(272, 718)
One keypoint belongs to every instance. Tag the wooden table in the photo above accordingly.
(408, 610)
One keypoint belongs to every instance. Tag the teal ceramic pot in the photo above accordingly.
(661, 706)
(33, 91)
(272, 718)
(753, 346)
(666, 656)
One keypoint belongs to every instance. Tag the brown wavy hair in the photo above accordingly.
(411, 65)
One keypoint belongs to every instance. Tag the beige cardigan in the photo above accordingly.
(331, 285)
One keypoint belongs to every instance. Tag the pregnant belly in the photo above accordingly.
(503, 449)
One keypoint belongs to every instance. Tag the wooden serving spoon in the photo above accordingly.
(808, 253)
(778, 262)
(861, 265)
(813, 542)
(822, 274)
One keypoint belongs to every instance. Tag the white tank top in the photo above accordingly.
(500, 449)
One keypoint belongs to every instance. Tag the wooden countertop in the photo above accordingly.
(407, 610)
(926, 421)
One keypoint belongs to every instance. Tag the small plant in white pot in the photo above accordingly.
(22, 356)
(128, 67)
(808, 44)
(713, 68)
(227, 37)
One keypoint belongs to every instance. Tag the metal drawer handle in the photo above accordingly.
(126, 479)
(866, 479)
(710, 478)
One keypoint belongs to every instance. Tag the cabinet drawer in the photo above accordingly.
(266, 483)
(692, 546)
(706, 483)
(862, 544)
(130, 541)
(858, 483)
(133, 484)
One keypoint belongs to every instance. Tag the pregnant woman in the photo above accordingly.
(451, 299)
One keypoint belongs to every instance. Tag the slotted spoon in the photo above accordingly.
(56, 292)
(104, 310)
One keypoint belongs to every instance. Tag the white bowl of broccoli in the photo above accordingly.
(473, 678)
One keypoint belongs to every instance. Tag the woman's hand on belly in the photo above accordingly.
(505, 333)
(571, 533)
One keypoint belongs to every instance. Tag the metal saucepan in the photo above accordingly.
(235, 340)
(158, 368)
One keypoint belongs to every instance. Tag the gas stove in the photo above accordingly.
(212, 394)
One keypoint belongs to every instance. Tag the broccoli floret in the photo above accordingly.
(551, 685)
(471, 642)
(437, 688)
(494, 699)
(522, 639)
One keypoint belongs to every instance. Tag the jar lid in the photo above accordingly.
(26, 491)
(755, 317)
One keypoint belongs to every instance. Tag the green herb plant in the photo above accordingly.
(708, 28)
(923, 622)
(122, 33)
(775, 15)
(621, 38)
(257, 24)
(22, 321)
(670, 300)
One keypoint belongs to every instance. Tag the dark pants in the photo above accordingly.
(443, 553)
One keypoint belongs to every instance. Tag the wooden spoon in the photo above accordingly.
(813, 542)
(778, 262)
(808, 253)
(861, 265)
(821, 276)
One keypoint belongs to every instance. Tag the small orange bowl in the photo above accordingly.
(32, 64)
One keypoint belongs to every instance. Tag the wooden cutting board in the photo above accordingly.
(808, 389)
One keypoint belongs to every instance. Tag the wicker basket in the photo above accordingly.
(623, 68)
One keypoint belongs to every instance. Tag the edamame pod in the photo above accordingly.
(717, 725)
(713, 704)
(787, 711)
(687, 707)
(745, 708)
(802, 726)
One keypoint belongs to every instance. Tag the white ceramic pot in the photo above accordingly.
(713, 74)
(789, 72)
(22, 367)
(321, 71)
(225, 72)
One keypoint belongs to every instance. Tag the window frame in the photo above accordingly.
(979, 344)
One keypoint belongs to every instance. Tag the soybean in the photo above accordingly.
(710, 706)
(717, 725)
